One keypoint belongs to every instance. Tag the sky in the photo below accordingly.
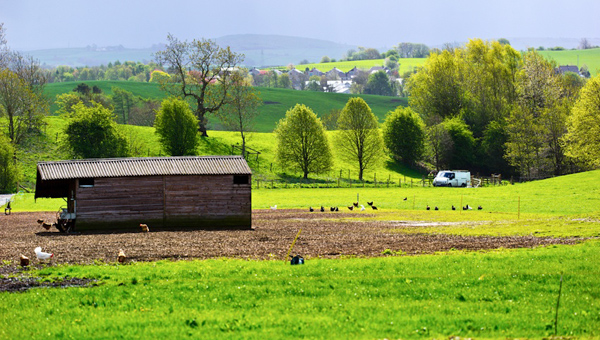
(44, 24)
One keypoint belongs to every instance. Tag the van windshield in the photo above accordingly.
(449, 175)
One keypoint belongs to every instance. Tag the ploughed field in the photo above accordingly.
(328, 235)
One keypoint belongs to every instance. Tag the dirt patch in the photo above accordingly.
(19, 284)
(323, 235)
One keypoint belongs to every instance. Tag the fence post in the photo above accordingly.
(388, 182)
(272, 184)
(399, 183)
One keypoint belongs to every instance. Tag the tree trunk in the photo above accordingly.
(360, 174)
(305, 174)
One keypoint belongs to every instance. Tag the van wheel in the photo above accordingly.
(449, 185)
(464, 185)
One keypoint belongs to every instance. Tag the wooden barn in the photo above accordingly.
(163, 192)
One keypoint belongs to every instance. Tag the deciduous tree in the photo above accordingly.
(582, 140)
(404, 135)
(379, 83)
(302, 143)
(176, 127)
(202, 73)
(358, 138)
(93, 133)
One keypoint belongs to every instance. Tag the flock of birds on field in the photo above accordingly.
(355, 205)
(43, 256)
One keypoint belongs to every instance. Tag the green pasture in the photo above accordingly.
(405, 65)
(589, 57)
(483, 295)
(144, 142)
(276, 101)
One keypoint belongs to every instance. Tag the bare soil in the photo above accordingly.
(323, 235)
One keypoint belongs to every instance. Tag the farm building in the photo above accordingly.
(163, 192)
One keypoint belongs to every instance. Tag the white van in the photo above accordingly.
(452, 178)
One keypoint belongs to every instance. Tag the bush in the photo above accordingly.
(177, 127)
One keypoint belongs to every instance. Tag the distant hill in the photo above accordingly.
(260, 50)
(273, 50)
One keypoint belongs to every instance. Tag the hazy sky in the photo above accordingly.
(40, 24)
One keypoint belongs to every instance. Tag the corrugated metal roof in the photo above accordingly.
(146, 166)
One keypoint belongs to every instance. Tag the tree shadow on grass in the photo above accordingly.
(214, 146)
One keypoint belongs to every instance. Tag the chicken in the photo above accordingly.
(453, 207)
(42, 255)
(40, 221)
(405, 198)
(311, 209)
(144, 227)
(322, 209)
(374, 207)
(351, 207)
(362, 207)
(436, 208)
(274, 207)
(24, 261)
(480, 208)
(428, 208)
(46, 225)
(355, 204)
(331, 208)
(121, 257)
(337, 209)
(370, 203)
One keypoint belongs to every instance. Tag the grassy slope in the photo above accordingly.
(281, 100)
(406, 64)
(589, 57)
(501, 294)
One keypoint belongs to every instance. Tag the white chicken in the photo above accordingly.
(42, 255)
(362, 207)
(274, 207)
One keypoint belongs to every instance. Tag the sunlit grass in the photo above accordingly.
(498, 294)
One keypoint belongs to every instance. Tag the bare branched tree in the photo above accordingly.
(202, 74)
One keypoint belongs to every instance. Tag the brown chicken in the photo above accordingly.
(144, 227)
(46, 225)
(24, 261)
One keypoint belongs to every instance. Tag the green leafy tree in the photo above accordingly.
(9, 173)
(92, 133)
(202, 74)
(358, 138)
(302, 143)
(463, 144)
(404, 135)
(436, 90)
(582, 141)
(176, 126)
(379, 83)
(439, 145)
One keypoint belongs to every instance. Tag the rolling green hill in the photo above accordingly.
(277, 101)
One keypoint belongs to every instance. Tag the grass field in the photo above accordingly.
(277, 101)
(589, 57)
(144, 142)
(405, 64)
(499, 294)
(484, 294)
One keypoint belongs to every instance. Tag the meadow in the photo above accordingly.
(482, 294)
(276, 101)
(590, 57)
(404, 65)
